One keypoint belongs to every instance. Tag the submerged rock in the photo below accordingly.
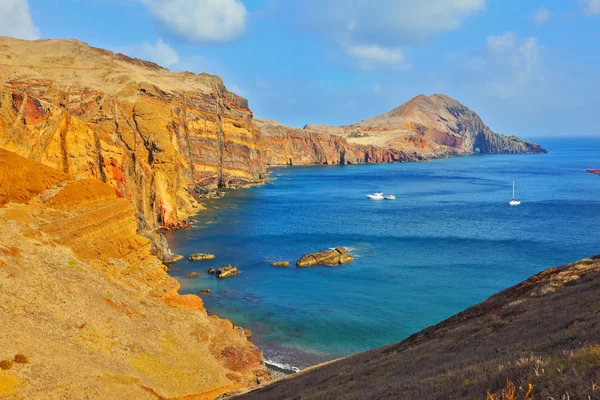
(227, 271)
(281, 264)
(201, 257)
(211, 271)
(205, 291)
(193, 275)
(331, 257)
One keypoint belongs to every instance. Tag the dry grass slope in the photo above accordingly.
(537, 340)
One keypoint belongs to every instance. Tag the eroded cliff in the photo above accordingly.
(292, 146)
(93, 312)
(157, 137)
(424, 128)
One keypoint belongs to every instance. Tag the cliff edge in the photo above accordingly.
(88, 312)
(157, 137)
(424, 128)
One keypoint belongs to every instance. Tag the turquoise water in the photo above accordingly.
(450, 240)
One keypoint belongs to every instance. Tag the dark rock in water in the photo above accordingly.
(193, 275)
(227, 271)
(201, 257)
(205, 291)
(333, 257)
(281, 264)
(211, 271)
(172, 258)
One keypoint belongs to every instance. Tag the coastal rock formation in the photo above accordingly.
(540, 336)
(201, 257)
(155, 136)
(331, 257)
(226, 271)
(293, 146)
(424, 128)
(281, 264)
(94, 313)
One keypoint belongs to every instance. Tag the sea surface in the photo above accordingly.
(448, 241)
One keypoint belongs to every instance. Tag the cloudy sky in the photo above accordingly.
(530, 68)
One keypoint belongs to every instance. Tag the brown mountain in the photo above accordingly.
(539, 339)
(423, 128)
(156, 136)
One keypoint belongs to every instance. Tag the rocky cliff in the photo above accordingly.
(292, 146)
(157, 137)
(424, 128)
(537, 340)
(93, 313)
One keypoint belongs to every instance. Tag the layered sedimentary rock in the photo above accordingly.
(292, 146)
(539, 339)
(424, 128)
(155, 136)
(93, 311)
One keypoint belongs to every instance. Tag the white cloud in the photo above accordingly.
(592, 7)
(15, 20)
(199, 21)
(375, 31)
(508, 65)
(160, 53)
(541, 16)
(371, 56)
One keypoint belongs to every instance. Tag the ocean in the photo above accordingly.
(448, 241)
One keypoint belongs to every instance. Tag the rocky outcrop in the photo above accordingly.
(92, 310)
(292, 146)
(226, 271)
(330, 257)
(283, 264)
(540, 336)
(155, 136)
(424, 128)
(201, 257)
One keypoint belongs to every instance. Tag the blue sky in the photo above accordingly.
(529, 68)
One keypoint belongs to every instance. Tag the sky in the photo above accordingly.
(529, 68)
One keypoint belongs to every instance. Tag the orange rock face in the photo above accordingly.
(153, 135)
(292, 146)
(104, 304)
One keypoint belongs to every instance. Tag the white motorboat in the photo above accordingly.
(514, 202)
(375, 196)
(390, 197)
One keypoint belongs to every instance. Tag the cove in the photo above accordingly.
(450, 240)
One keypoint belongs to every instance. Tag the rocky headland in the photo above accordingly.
(422, 129)
(97, 152)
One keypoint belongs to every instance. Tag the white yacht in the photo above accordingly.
(390, 197)
(514, 202)
(375, 196)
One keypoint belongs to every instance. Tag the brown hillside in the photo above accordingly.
(543, 332)
(92, 311)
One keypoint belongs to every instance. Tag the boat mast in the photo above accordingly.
(513, 190)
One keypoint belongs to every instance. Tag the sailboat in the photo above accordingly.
(514, 202)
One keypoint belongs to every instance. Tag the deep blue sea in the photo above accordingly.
(448, 241)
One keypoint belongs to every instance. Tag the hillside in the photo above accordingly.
(543, 332)
(90, 310)
(430, 125)
(157, 137)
